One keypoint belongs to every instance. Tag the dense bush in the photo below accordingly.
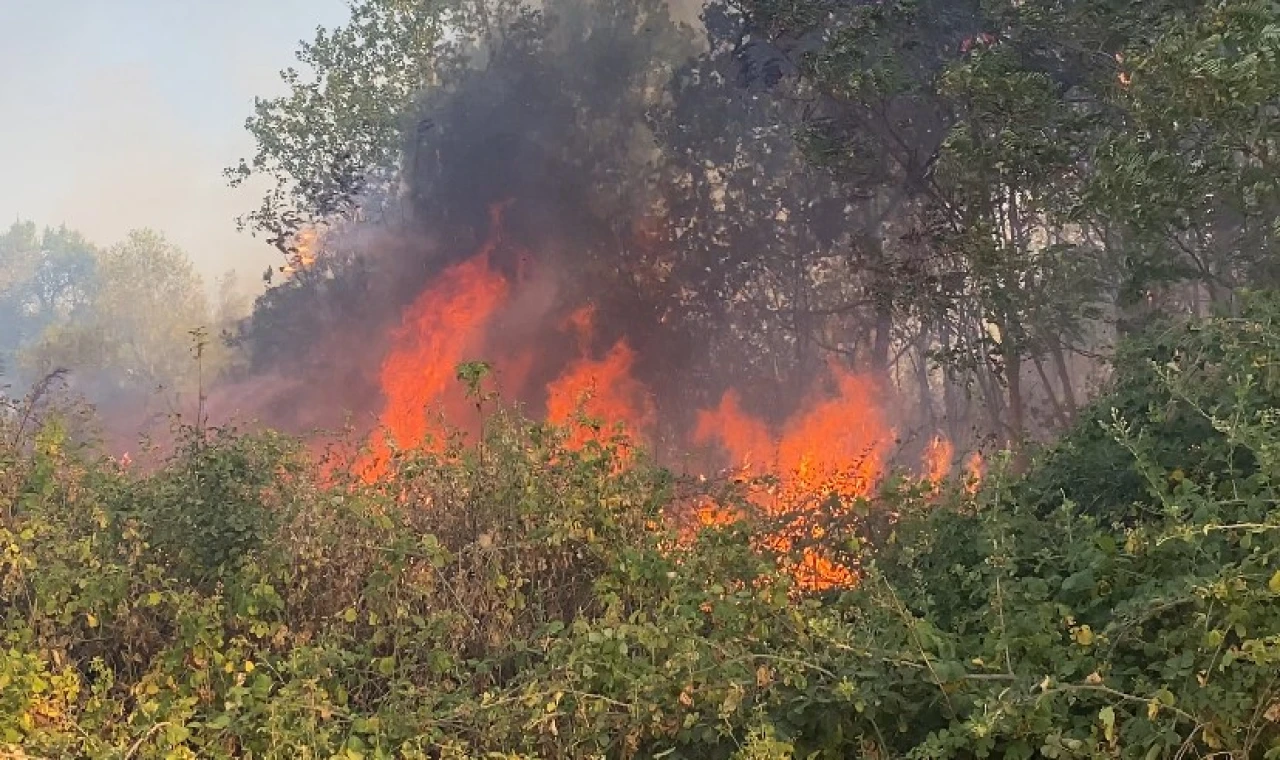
(512, 598)
(1173, 387)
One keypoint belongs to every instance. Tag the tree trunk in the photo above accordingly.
(1064, 377)
(1017, 413)
(1059, 412)
(927, 414)
(883, 340)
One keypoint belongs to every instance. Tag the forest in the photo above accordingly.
(751, 379)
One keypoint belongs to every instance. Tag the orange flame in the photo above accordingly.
(306, 245)
(834, 447)
(603, 389)
(838, 445)
(440, 328)
(746, 438)
(582, 323)
(937, 461)
(438, 331)
(975, 468)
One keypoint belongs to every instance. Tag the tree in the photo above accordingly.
(333, 143)
(768, 252)
(134, 333)
(1187, 182)
(45, 278)
(1053, 177)
(542, 107)
(992, 191)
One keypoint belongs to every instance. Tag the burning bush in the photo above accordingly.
(522, 595)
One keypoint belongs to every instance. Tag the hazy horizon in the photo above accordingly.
(123, 115)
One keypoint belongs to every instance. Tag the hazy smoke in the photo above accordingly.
(553, 126)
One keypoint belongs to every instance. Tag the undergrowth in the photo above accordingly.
(514, 598)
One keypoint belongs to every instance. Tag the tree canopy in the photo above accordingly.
(973, 200)
(119, 320)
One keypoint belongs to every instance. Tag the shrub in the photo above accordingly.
(512, 597)
(1220, 366)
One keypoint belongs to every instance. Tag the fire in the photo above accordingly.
(582, 323)
(937, 461)
(746, 438)
(838, 445)
(306, 245)
(833, 447)
(439, 330)
(829, 454)
(598, 390)
(974, 469)
(602, 389)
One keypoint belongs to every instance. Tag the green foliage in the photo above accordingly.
(1070, 165)
(1179, 390)
(1188, 172)
(512, 598)
(117, 320)
(341, 121)
(218, 499)
(451, 79)
(45, 278)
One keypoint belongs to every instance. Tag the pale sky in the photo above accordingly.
(117, 114)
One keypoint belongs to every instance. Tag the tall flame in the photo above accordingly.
(445, 323)
(441, 329)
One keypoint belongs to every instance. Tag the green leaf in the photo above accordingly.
(387, 666)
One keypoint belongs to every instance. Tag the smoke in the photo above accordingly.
(550, 123)
(532, 227)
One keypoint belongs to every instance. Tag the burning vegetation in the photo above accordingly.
(799, 472)
(668, 352)
(548, 217)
